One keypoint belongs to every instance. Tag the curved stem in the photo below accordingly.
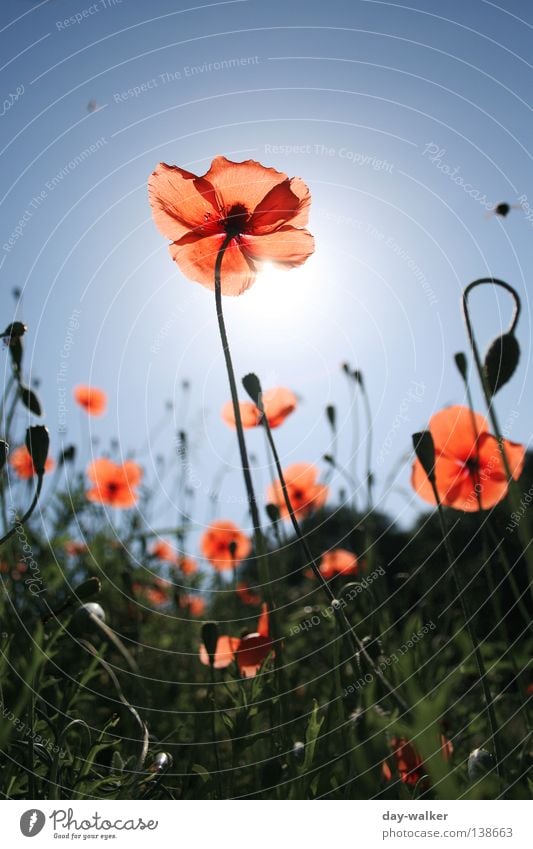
(489, 400)
(27, 514)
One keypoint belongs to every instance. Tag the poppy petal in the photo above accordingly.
(180, 201)
(244, 183)
(454, 432)
(196, 257)
(287, 246)
(286, 203)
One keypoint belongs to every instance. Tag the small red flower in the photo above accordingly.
(305, 493)
(114, 484)
(22, 463)
(278, 404)
(407, 761)
(246, 596)
(224, 545)
(194, 604)
(93, 400)
(250, 651)
(162, 550)
(338, 561)
(187, 565)
(260, 209)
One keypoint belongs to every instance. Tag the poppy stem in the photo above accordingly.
(524, 536)
(19, 522)
(245, 463)
(259, 542)
(356, 645)
(468, 618)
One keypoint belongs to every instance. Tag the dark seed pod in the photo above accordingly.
(210, 640)
(462, 365)
(502, 209)
(425, 452)
(30, 400)
(38, 443)
(501, 361)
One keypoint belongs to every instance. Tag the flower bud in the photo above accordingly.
(38, 443)
(480, 763)
(85, 613)
(298, 750)
(425, 452)
(161, 763)
(210, 640)
(4, 448)
(462, 365)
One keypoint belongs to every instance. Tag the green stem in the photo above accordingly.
(524, 536)
(467, 616)
(356, 644)
(27, 514)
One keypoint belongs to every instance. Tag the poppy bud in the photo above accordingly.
(252, 385)
(210, 640)
(331, 415)
(38, 443)
(30, 400)
(88, 588)
(4, 448)
(272, 511)
(68, 455)
(358, 376)
(425, 452)
(85, 613)
(462, 365)
(14, 331)
(161, 763)
(298, 750)
(480, 763)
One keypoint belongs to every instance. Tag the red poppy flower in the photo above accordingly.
(22, 464)
(305, 494)
(278, 403)
(114, 484)
(469, 470)
(338, 561)
(247, 597)
(254, 648)
(162, 550)
(156, 593)
(407, 761)
(249, 651)
(187, 565)
(224, 545)
(93, 400)
(261, 209)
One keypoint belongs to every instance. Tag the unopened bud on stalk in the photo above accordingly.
(480, 763)
(85, 613)
(272, 511)
(161, 763)
(4, 448)
(210, 640)
(462, 365)
(425, 452)
(38, 443)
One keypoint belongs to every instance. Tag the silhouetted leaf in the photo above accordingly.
(501, 361)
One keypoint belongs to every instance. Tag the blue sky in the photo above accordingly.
(407, 122)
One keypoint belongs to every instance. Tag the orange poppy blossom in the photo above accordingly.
(187, 565)
(157, 593)
(162, 550)
(338, 561)
(248, 651)
(260, 210)
(469, 470)
(93, 401)
(305, 494)
(114, 483)
(193, 603)
(278, 403)
(246, 596)
(21, 462)
(224, 545)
